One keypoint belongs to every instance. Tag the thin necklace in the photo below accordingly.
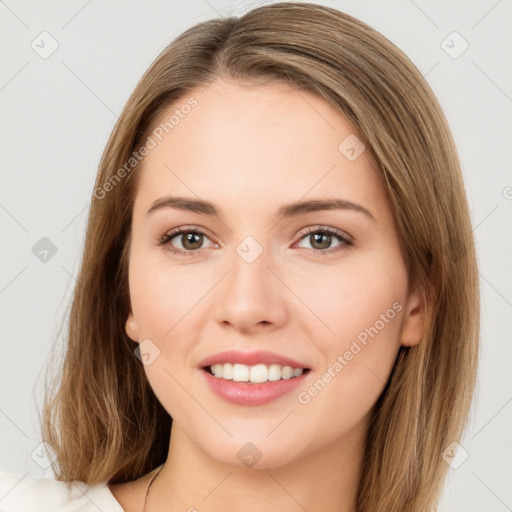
(149, 485)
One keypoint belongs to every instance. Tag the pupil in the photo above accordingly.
(320, 235)
(189, 239)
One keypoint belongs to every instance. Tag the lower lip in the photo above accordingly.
(244, 393)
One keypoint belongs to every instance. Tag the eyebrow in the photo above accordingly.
(203, 207)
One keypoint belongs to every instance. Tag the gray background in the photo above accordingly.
(56, 115)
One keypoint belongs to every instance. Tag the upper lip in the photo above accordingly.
(250, 359)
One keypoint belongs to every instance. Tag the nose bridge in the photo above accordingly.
(250, 265)
(250, 294)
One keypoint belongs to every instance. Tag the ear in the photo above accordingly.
(414, 319)
(132, 328)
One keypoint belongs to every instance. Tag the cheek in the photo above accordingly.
(363, 309)
(162, 294)
(163, 299)
(350, 299)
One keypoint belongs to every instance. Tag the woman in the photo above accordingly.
(277, 305)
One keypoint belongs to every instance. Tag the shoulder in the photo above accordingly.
(18, 493)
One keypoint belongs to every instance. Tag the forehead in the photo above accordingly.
(258, 143)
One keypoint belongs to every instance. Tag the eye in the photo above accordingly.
(321, 237)
(191, 241)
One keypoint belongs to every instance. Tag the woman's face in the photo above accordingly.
(257, 279)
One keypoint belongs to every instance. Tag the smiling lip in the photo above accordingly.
(248, 393)
(250, 359)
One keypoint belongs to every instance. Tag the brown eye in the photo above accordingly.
(320, 239)
(190, 240)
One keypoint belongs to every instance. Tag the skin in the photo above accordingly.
(249, 149)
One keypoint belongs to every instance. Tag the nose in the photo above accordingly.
(251, 298)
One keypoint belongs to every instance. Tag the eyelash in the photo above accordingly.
(346, 242)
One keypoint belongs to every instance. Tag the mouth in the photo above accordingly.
(255, 374)
(253, 378)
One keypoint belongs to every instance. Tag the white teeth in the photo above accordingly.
(274, 372)
(227, 371)
(256, 373)
(217, 370)
(287, 372)
(240, 372)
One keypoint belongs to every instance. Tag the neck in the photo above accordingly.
(326, 480)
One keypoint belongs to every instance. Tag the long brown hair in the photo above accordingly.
(100, 415)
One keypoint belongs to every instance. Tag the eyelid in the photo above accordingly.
(326, 229)
(189, 228)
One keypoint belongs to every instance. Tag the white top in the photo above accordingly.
(21, 494)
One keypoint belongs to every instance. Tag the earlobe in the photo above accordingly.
(131, 328)
(414, 320)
